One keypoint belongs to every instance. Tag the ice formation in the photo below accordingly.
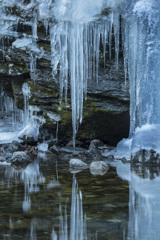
(78, 30)
(143, 203)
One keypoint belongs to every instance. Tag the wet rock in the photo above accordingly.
(77, 144)
(94, 151)
(77, 164)
(20, 158)
(93, 147)
(13, 147)
(72, 150)
(54, 149)
(99, 168)
(51, 142)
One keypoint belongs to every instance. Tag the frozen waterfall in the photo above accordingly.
(79, 32)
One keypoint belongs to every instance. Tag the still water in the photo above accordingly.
(48, 202)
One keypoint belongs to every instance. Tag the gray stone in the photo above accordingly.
(77, 144)
(20, 158)
(77, 163)
(95, 144)
(54, 149)
(13, 147)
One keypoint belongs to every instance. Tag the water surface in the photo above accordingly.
(49, 202)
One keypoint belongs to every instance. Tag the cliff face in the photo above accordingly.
(26, 56)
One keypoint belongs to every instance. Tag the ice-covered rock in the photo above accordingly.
(20, 158)
(29, 133)
(99, 168)
(77, 163)
(43, 147)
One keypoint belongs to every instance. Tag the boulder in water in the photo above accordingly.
(99, 168)
(20, 158)
(77, 163)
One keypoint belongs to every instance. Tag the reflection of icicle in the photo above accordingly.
(78, 228)
(33, 235)
(57, 133)
(31, 177)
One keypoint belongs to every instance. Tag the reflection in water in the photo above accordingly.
(144, 203)
(78, 229)
(31, 177)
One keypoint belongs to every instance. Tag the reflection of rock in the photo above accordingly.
(99, 168)
(146, 157)
(150, 171)
(77, 164)
(20, 159)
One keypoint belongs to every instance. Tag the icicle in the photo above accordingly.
(46, 25)
(97, 51)
(26, 94)
(34, 27)
(110, 35)
(84, 61)
(104, 39)
(33, 61)
(116, 23)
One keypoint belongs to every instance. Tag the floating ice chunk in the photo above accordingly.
(43, 147)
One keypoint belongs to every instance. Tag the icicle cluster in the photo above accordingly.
(75, 56)
(11, 118)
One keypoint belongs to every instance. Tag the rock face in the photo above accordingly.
(105, 112)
